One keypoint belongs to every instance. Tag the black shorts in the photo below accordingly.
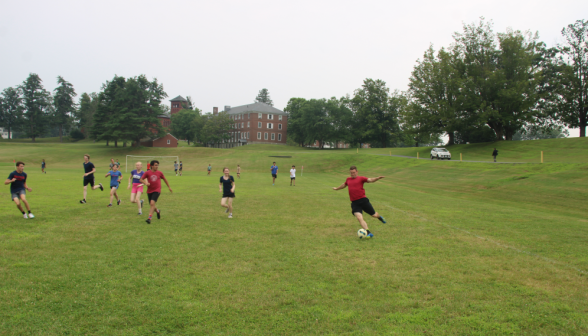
(292, 178)
(153, 196)
(361, 205)
(89, 181)
(229, 195)
(274, 175)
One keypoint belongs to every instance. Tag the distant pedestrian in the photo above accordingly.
(238, 171)
(209, 168)
(293, 175)
(176, 166)
(43, 166)
(495, 154)
(181, 167)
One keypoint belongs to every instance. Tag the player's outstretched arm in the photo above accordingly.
(343, 186)
(144, 181)
(374, 179)
(8, 181)
(168, 187)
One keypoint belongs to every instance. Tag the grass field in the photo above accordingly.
(469, 248)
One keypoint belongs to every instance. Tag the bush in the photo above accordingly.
(76, 135)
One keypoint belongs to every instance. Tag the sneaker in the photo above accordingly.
(31, 215)
(140, 213)
(382, 219)
(118, 202)
(25, 216)
(148, 221)
(101, 187)
(370, 235)
(159, 214)
(83, 201)
(141, 204)
(230, 215)
(109, 205)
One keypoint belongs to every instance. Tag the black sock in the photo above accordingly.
(29, 211)
(23, 212)
(368, 231)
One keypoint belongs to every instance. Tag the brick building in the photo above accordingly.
(177, 104)
(256, 123)
(166, 141)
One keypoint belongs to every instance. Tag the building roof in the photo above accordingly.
(178, 98)
(255, 107)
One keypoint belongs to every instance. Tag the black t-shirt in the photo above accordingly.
(19, 184)
(88, 168)
(227, 184)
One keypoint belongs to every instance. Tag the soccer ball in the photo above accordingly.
(362, 233)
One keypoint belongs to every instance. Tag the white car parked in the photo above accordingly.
(440, 154)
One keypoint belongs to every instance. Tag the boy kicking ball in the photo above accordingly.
(18, 188)
(115, 178)
(152, 179)
(359, 202)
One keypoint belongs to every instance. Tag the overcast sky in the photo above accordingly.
(224, 52)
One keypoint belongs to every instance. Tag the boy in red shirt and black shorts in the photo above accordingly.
(152, 179)
(360, 203)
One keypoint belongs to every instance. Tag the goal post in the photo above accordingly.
(163, 160)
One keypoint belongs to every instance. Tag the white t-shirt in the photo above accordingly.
(292, 172)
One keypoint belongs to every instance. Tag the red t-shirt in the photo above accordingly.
(154, 179)
(355, 186)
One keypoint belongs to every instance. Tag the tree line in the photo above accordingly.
(483, 87)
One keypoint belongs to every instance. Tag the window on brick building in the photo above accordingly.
(248, 124)
(270, 116)
(280, 117)
(273, 136)
(169, 142)
(280, 137)
(259, 116)
(265, 136)
(259, 124)
(280, 126)
(258, 135)
(270, 126)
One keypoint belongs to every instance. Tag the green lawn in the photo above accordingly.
(469, 248)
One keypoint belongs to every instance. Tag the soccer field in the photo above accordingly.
(469, 248)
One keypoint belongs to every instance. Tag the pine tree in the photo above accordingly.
(11, 109)
(264, 97)
(64, 105)
(36, 105)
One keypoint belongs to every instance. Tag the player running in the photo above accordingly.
(43, 165)
(238, 171)
(89, 169)
(209, 168)
(176, 166)
(152, 179)
(181, 167)
(227, 187)
(359, 202)
(115, 178)
(135, 178)
(293, 175)
(274, 169)
(18, 188)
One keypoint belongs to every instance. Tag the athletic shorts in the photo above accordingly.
(18, 193)
(274, 175)
(181, 169)
(361, 205)
(292, 178)
(153, 196)
(137, 188)
(89, 181)
(114, 186)
(175, 170)
(229, 195)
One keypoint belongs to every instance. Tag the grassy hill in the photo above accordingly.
(469, 248)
